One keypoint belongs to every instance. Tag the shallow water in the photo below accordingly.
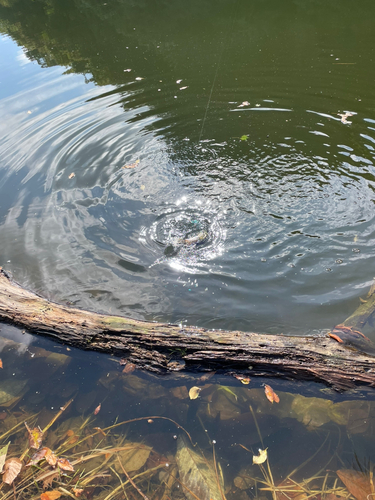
(232, 118)
(152, 426)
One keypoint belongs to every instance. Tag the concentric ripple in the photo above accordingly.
(186, 236)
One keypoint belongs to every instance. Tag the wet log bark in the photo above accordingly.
(164, 348)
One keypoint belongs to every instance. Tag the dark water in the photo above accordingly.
(229, 113)
(172, 446)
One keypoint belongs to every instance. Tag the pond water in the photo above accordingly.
(105, 421)
(129, 129)
(208, 163)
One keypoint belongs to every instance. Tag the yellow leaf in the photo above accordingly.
(194, 392)
(261, 458)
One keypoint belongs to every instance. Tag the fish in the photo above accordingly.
(194, 240)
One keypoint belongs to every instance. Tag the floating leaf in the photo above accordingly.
(198, 475)
(194, 392)
(72, 175)
(35, 436)
(64, 464)
(3, 455)
(242, 379)
(344, 116)
(261, 458)
(243, 104)
(97, 409)
(270, 394)
(12, 468)
(50, 495)
(357, 483)
(1, 363)
(244, 137)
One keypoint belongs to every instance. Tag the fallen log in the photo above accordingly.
(163, 348)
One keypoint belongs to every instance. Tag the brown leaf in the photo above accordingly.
(12, 468)
(64, 464)
(51, 458)
(270, 394)
(78, 492)
(357, 483)
(37, 457)
(97, 409)
(292, 491)
(47, 483)
(50, 495)
(129, 368)
(35, 436)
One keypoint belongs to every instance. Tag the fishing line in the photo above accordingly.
(217, 70)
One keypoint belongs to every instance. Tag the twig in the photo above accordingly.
(131, 481)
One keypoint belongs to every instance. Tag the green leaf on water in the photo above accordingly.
(244, 137)
(3, 456)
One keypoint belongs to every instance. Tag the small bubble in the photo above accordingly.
(175, 437)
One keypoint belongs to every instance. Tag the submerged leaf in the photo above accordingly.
(3, 455)
(97, 409)
(64, 464)
(50, 495)
(133, 458)
(271, 394)
(35, 436)
(37, 457)
(261, 458)
(194, 392)
(290, 490)
(51, 458)
(198, 475)
(357, 483)
(12, 468)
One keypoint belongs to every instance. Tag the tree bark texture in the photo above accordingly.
(343, 360)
